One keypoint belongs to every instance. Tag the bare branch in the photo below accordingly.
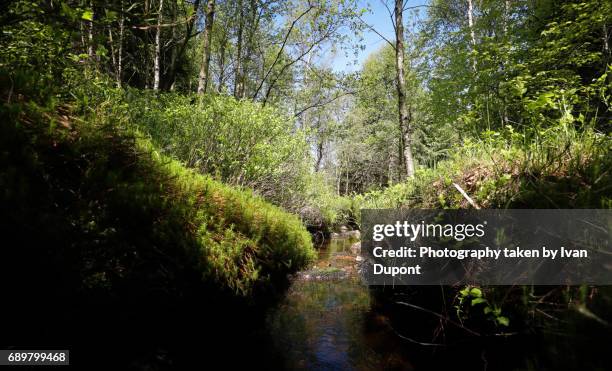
(299, 58)
(376, 32)
(282, 48)
(322, 104)
(417, 6)
(164, 25)
(465, 195)
(444, 318)
(391, 13)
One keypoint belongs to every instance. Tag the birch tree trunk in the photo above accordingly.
(506, 22)
(404, 119)
(238, 83)
(470, 17)
(90, 47)
(147, 47)
(156, 61)
(204, 76)
(120, 48)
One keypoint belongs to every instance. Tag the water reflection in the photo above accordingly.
(325, 321)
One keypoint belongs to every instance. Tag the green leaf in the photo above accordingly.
(476, 292)
(504, 321)
(478, 301)
(88, 15)
(101, 51)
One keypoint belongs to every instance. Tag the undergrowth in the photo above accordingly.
(107, 204)
(565, 168)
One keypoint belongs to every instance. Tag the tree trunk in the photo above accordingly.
(392, 167)
(222, 48)
(238, 83)
(204, 76)
(189, 26)
(404, 119)
(156, 62)
(147, 48)
(338, 179)
(346, 186)
(506, 22)
(83, 42)
(319, 159)
(120, 51)
(470, 17)
(169, 84)
(90, 47)
(606, 46)
(249, 47)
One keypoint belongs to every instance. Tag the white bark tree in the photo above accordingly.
(470, 17)
(404, 114)
(156, 62)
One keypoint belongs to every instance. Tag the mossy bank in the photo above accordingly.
(121, 241)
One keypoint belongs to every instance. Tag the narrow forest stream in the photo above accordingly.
(329, 320)
(325, 321)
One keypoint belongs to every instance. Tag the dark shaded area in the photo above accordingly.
(561, 340)
(97, 259)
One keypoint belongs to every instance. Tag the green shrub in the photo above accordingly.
(238, 142)
(321, 208)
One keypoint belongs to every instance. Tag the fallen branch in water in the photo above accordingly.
(439, 316)
(416, 341)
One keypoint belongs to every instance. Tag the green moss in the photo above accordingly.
(112, 211)
(241, 240)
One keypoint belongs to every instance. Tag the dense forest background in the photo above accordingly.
(511, 74)
(164, 158)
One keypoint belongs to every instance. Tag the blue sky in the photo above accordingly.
(378, 17)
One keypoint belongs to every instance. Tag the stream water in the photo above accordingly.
(329, 320)
(325, 321)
